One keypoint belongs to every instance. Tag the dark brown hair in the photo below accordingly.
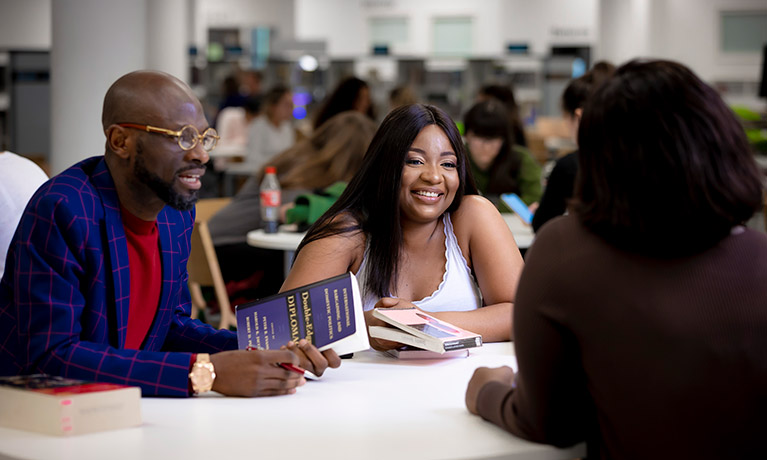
(370, 203)
(489, 119)
(664, 166)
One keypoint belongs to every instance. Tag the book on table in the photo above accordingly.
(327, 313)
(413, 327)
(64, 407)
(409, 352)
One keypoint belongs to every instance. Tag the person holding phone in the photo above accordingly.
(498, 164)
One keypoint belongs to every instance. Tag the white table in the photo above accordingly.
(373, 407)
(288, 241)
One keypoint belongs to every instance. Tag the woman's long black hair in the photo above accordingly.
(370, 203)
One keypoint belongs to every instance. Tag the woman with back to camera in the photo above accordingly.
(351, 94)
(640, 322)
(413, 230)
(498, 164)
(561, 182)
(331, 154)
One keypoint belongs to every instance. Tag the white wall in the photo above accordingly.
(624, 30)
(544, 23)
(683, 30)
(88, 55)
(25, 24)
(344, 23)
(278, 14)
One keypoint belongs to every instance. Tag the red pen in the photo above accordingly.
(291, 367)
(286, 366)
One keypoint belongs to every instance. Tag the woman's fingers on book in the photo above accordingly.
(383, 345)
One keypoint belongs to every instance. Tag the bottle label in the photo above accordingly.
(270, 198)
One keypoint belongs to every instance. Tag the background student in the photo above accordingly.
(640, 318)
(272, 131)
(561, 182)
(413, 230)
(498, 164)
(351, 94)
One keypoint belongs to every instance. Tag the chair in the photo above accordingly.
(203, 265)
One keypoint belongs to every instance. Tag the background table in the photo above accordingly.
(372, 407)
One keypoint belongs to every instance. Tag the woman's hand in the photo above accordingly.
(482, 376)
(370, 320)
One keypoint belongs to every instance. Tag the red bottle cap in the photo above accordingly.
(271, 170)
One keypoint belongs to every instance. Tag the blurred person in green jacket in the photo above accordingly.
(498, 163)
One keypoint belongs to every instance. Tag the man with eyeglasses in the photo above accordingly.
(95, 286)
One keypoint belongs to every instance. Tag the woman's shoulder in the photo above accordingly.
(472, 207)
(475, 212)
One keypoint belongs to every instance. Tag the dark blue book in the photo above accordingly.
(327, 313)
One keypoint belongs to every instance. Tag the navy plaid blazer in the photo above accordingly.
(65, 292)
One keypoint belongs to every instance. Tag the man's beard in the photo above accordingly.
(164, 190)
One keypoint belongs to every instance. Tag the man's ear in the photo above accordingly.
(119, 141)
(578, 114)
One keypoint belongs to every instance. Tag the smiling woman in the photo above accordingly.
(412, 228)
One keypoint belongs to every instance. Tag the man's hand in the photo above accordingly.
(255, 373)
(311, 358)
(370, 320)
(482, 376)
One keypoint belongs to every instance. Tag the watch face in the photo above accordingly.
(202, 378)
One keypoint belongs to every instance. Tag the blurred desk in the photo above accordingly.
(372, 407)
(523, 233)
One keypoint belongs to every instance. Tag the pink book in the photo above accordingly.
(418, 329)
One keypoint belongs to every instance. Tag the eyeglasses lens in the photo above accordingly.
(209, 140)
(188, 138)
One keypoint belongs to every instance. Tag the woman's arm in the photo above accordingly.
(489, 247)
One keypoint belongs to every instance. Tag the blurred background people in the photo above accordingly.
(272, 131)
(498, 163)
(331, 154)
(639, 319)
(561, 181)
(351, 94)
(505, 94)
(401, 95)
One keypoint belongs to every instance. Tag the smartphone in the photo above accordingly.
(516, 204)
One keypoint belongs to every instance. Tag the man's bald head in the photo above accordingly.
(147, 97)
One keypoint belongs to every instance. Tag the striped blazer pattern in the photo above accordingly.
(65, 293)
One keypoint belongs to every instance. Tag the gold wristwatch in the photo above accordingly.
(203, 374)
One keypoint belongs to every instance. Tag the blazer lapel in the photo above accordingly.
(117, 248)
